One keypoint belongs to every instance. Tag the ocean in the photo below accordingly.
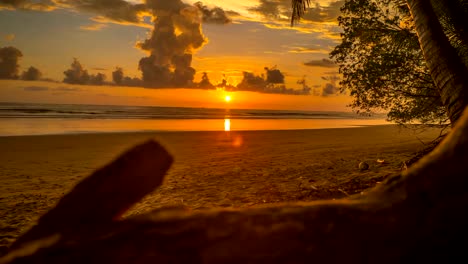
(42, 119)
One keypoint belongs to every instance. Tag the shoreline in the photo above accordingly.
(235, 169)
(47, 126)
(186, 131)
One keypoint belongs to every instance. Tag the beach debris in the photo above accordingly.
(343, 191)
(404, 167)
(236, 169)
(363, 166)
(381, 161)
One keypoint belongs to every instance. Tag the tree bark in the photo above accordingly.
(106, 194)
(419, 216)
(447, 69)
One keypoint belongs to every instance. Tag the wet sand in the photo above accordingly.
(211, 169)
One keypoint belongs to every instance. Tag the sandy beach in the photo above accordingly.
(211, 169)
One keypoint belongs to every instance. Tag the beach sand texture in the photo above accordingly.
(211, 169)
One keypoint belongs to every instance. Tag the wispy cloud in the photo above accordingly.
(308, 50)
(9, 37)
(325, 63)
(36, 5)
(93, 27)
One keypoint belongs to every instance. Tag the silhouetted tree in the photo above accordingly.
(9, 57)
(97, 79)
(117, 75)
(76, 74)
(439, 60)
(32, 74)
(205, 82)
(447, 69)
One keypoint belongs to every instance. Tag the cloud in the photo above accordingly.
(281, 10)
(35, 88)
(118, 11)
(216, 15)
(37, 5)
(325, 63)
(272, 9)
(9, 57)
(231, 13)
(114, 10)
(308, 50)
(318, 18)
(98, 69)
(177, 33)
(331, 87)
(9, 37)
(94, 27)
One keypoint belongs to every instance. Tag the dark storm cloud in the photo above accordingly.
(35, 89)
(325, 63)
(9, 57)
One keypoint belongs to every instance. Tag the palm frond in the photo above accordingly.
(298, 9)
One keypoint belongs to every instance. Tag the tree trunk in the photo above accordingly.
(447, 69)
(456, 16)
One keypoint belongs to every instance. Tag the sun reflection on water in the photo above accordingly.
(227, 124)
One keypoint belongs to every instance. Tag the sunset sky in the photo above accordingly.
(104, 34)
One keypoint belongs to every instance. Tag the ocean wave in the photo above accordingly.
(20, 110)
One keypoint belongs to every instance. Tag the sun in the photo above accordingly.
(227, 98)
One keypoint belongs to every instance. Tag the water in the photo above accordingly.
(34, 119)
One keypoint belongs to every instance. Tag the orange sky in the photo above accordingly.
(47, 92)
(259, 35)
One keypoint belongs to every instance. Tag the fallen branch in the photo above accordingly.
(106, 194)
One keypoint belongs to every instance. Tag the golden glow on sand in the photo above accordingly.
(227, 98)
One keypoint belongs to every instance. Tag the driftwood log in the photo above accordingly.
(418, 216)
